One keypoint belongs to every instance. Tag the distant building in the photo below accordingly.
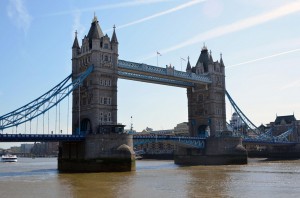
(182, 129)
(45, 149)
(236, 122)
(283, 124)
(26, 148)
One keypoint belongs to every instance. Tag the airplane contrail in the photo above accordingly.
(177, 8)
(282, 11)
(263, 58)
(108, 6)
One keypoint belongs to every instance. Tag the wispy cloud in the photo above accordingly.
(77, 25)
(263, 58)
(19, 15)
(295, 84)
(236, 26)
(177, 8)
(109, 6)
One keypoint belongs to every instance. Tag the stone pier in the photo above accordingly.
(98, 153)
(218, 151)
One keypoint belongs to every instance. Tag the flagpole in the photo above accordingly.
(156, 59)
(181, 59)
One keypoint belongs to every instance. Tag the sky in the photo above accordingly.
(259, 41)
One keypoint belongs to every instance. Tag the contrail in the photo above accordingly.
(108, 6)
(236, 26)
(263, 58)
(177, 8)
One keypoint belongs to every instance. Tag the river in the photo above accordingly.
(30, 178)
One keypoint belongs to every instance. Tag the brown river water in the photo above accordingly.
(30, 178)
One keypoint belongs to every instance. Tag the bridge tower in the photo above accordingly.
(207, 118)
(106, 147)
(97, 104)
(206, 103)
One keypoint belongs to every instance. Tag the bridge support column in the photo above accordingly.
(218, 151)
(98, 153)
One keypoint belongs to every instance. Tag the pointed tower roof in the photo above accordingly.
(188, 67)
(204, 58)
(95, 30)
(75, 43)
(114, 36)
(210, 57)
(221, 60)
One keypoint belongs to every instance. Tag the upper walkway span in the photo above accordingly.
(167, 76)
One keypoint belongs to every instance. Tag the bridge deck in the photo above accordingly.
(39, 137)
(153, 74)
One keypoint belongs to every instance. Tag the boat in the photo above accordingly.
(9, 158)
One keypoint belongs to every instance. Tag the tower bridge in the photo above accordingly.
(98, 142)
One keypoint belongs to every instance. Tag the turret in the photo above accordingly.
(114, 46)
(188, 67)
(94, 35)
(204, 59)
(75, 47)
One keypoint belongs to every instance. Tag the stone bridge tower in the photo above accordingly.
(207, 117)
(206, 104)
(106, 147)
(97, 104)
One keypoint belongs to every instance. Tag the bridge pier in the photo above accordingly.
(218, 151)
(97, 153)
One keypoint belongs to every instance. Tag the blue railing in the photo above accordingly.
(40, 137)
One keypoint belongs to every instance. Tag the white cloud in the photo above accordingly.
(110, 6)
(177, 8)
(19, 15)
(77, 25)
(236, 26)
(263, 58)
(295, 84)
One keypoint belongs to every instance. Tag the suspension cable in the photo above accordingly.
(59, 117)
(43, 123)
(37, 125)
(55, 119)
(68, 114)
(48, 122)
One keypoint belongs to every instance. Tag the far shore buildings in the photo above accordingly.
(284, 123)
(281, 125)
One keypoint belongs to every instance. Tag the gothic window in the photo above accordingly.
(105, 100)
(101, 116)
(109, 117)
(200, 98)
(105, 46)
(105, 58)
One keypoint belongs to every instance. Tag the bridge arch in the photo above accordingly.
(85, 126)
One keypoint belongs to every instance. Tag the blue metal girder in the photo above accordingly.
(40, 138)
(169, 72)
(245, 119)
(195, 142)
(153, 79)
(266, 142)
(43, 103)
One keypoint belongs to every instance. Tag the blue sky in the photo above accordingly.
(259, 40)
